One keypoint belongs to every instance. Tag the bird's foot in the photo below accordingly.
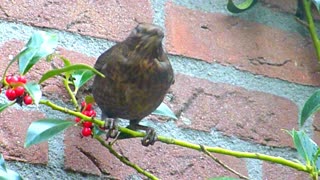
(150, 138)
(111, 128)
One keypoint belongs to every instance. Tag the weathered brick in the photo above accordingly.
(316, 128)
(250, 115)
(279, 172)
(14, 124)
(245, 45)
(107, 19)
(165, 161)
(52, 87)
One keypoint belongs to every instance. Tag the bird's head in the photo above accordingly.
(146, 37)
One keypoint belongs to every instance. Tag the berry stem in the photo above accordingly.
(6, 70)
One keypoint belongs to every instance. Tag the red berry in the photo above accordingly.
(90, 113)
(93, 114)
(19, 91)
(8, 79)
(12, 80)
(22, 79)
(27, 100)
(86, 106)
(11, 94)
(86, 113)
(89, 107)
(87, 124)
(86, 131)
(83, 104)
(77, 119)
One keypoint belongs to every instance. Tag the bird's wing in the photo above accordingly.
(114, 63)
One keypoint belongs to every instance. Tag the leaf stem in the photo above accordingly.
(73, 97)
(311, 27)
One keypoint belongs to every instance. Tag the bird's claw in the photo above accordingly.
(150, 138)
(111, 128)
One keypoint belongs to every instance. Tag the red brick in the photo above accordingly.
(279, 172)
(235, 111)
(14, 124)
(245, 45)
(53, 87)
(107, 19)
(165, 161)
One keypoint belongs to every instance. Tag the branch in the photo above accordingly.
(124, 159)
(71, 112)
(223, 165)
(238, 154)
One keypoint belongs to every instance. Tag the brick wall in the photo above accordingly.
(240, 80)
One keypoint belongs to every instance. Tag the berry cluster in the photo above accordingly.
(86, 109)
(16, 89)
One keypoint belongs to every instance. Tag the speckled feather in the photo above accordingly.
(138, 75)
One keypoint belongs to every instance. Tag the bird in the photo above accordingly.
(138, 74)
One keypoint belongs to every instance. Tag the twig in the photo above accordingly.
(311, 27)
(73, 97)
(302, 22)
(222, 164)
(125, 160)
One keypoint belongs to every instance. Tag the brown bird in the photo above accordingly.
(138, 76)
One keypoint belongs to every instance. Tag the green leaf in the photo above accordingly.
(97, 131)
(7, 174)
(81, 77)
(316, 159)
(66, 61)
(310, 107)
(247, 4)
(164, 110)
(306, 147)
(10, 175)
(3, 166)
(89, 99)
(317, 4)
(34, 91)
(50, 57)
(44, 129)
(70, 68)
(40, 45)
(4, 106)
